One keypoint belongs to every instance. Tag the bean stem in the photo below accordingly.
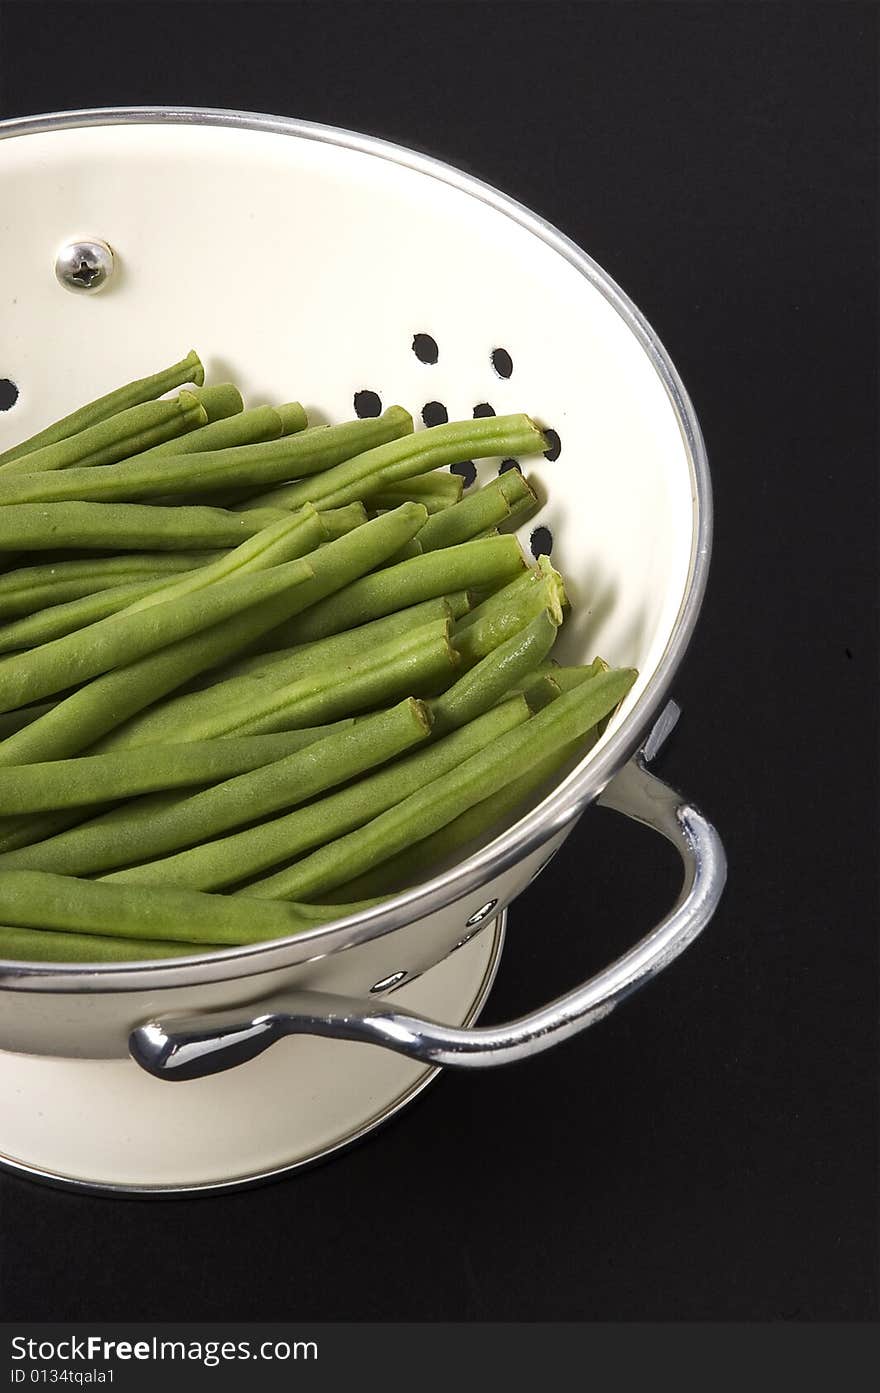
(506, 613)
(494, 606)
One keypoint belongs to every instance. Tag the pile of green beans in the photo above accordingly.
(246, 660)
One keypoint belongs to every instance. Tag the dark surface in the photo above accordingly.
(711, 1151)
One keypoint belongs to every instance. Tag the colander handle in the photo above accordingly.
(188, 1049)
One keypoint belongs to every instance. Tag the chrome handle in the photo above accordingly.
(189, 1049)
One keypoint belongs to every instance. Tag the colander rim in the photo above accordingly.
(564, 804)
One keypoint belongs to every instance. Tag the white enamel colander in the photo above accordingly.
(315, 263)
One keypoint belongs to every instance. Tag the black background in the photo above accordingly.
(710, 1152)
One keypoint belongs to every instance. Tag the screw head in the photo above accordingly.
(84, 266)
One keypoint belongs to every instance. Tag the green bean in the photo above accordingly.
(336, 521)
(406, 552)
(523, 502)
(259, 705)
(244, 428)
(541, 692)
(350, 643)
(425, 577)
(127, 526)
(498, 673)
(287, 419)
(509, 757)
(339, 521)
(220, 401)
(189, 369)
(516, 489)
(18, 832)
(567, 678)
(36, 588)
(274, 672)
(287, 782)
(140, 811)
(334, 566)
(73, 783)
(150, 623)
(293, 417)
(46, 946)
(476, 513)
(439, 483)
(12, 721)
(101, 706)
(381, 502)
(167, 475)
(495, 606)
(509, 610)
(103, 444)
(288, 539)
(374, 469)
(30, 588)
(214, 865)
(556, 680)
(430, 855)
(58, 620)
(419, 662)
(34, 899)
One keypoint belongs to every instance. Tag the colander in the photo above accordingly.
(350, 273)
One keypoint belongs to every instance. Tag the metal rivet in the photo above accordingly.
(480, 914)
(386, 982)
(84, 266)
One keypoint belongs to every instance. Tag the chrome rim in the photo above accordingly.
(560, 808)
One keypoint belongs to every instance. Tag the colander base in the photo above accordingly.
(105, 1125)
